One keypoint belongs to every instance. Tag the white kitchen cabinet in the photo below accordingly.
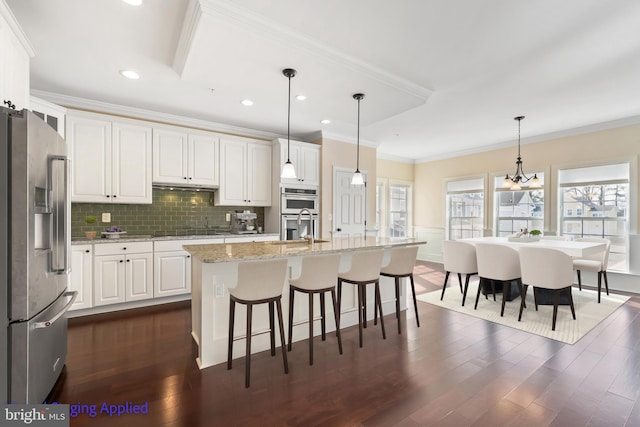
(123, 272)
(245, 173)
(172, 266)
(15, 56)
(51, 113)
(81, 276)
(185, 158)
(305, 158)
(111, 160)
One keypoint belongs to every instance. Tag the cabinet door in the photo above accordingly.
(131, 163)
(81, 278)
(309, 159)
(14, 64)
(203, 160)
(108, 280)
(172, 273)
(139, 276)
(233, 174)
(259, 174)
(169, 156)
(89, 142)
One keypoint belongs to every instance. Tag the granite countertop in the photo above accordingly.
(151, 238)
(260, 250)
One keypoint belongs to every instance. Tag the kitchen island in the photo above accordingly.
(214, 270)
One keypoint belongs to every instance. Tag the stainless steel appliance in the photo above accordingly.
(243, 222)
(291, 230)
(34, 256)
(295, 198)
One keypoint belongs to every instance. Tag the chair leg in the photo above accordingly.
(375, 312)
(524, 296)
(291, 295)
(444, 285)
(323, 325)
(475, 307)
(281, 323)
(232, 312)
(579, 280)
(521, 288)
(360, 314)
(272, 329)
(599, 286)
(364, 306)
(535, 298)
(335, 314)
(377, 291)
(247, 357)
(415, 301)
(460, 281)
(555, 309)
(466, 287)
(606, 281)
(504, 297)
(397, 304)
(493, 288)
(310, 328)
(573, 310)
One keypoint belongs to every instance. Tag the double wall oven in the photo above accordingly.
(292, 201)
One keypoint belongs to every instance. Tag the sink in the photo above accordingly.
(295, 242)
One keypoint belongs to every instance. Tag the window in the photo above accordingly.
(393, 208)
(599, 197)
(465, 208)
(519, 209)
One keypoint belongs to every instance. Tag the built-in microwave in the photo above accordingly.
(294, 199)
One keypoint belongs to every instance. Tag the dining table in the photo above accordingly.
(573, 248)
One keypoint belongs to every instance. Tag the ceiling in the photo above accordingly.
(440, 77)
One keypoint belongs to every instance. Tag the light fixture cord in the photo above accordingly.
(358, 140)
(519, 137)
(289, 122)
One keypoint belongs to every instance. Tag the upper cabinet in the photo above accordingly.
(52, 114)
(111, 159)
(305, 158)
(15, 55)
(245, 173)
(185, 158)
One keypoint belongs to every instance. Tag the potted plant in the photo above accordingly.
(90, 219)
(535, 232)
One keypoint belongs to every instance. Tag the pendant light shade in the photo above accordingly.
(288, 170)
(519, 177)
(357, 178)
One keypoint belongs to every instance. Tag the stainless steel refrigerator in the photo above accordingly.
(34, 256)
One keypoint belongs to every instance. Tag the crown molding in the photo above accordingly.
(341, 138)
(11, 20)
(154, 116)
(394, 158)
(189, 26)
(249, 21)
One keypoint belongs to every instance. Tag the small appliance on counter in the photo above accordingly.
(243, 222)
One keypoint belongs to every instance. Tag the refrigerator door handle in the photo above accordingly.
(63, 310)
(66, 268)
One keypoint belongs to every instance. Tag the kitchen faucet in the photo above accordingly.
(310, 223)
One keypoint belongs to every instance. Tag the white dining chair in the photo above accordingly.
(549, 269)
(596, 263)
(497, 263)
(459, 258)
(259, 282)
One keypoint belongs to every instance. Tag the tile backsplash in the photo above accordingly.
(171, 211)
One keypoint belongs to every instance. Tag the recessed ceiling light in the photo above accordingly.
(130, 74)
(133, 2)
(247, 102)
(325, 121)
(301, 97)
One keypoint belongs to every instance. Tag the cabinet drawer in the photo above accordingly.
(123, 248)
(176, 245)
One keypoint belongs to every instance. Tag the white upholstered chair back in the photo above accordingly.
(546, 268)
(497, 262)
(258, 280)
(602, 257)
(459, 257)
(318, 272)
(402, 261)
(365, 266)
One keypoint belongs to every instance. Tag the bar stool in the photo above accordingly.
(318, 276)
(401, 264)
(365, 269)
(259, 282)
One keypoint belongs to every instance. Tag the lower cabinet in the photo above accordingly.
(81, 277)
(123, 272)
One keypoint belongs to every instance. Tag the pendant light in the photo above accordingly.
(357, 178)
(288, 171)
(513, 182)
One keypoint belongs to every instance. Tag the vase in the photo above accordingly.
(90, 234)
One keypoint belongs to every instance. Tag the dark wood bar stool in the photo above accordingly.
(365, 270)
(259, 282)
(401, 264)
(318, 276)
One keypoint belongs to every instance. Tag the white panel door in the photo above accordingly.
(131, 163)
(203, 160)
(170, 156)
(259, 174)
(233, 173)
(139, 276)
(109, 280)
(81, 277)
(172, 275)
(349, 204)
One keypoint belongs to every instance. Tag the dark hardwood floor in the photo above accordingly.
(454, 370)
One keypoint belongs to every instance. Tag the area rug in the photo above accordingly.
(588, 312)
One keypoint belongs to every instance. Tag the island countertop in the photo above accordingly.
(212, 253)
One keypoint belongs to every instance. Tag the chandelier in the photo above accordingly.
(519, 177)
